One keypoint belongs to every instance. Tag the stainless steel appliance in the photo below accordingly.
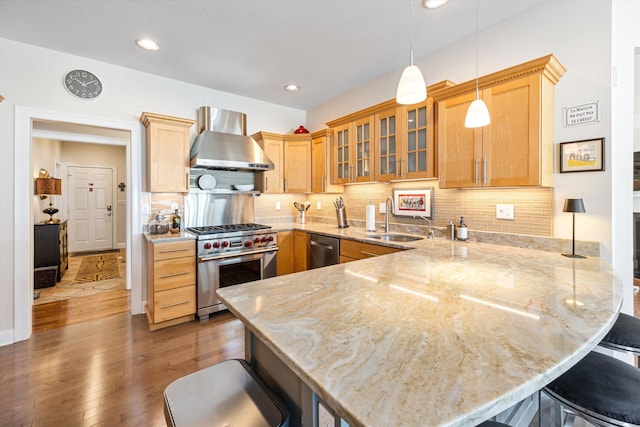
(231, 248)
(323, 250)
(223, 143)
(228, 255)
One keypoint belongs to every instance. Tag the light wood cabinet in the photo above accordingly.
(171, 283)
(386, 142)
(292, 252)
(291, 155)
(273, 146)
(516, 149)
(167, 150)
(320, 163)
(351, 250)
(297, 163)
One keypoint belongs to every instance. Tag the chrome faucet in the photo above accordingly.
(430, 234)
(386, 213)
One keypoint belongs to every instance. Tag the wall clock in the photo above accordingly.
(83, 84)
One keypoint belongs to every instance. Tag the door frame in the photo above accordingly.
(23, 218)
(114, 197)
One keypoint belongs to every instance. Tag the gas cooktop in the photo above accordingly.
(219, 229)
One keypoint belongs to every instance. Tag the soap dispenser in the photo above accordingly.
(461, 231)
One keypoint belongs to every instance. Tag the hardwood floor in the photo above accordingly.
(109, 371)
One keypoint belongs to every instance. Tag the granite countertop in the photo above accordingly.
(169, 237)
(448, 334)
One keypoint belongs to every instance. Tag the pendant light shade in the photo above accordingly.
(478, 113)
(411, 87)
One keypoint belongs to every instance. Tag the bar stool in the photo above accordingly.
(624, 335)
(492, 424)
(600, 388)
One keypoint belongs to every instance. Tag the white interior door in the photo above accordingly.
(90, 208)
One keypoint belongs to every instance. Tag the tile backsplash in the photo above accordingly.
(533, 207)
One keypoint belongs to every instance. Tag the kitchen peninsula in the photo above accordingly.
(447, 334)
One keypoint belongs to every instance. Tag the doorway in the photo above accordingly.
(25, 118)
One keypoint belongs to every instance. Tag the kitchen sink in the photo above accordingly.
(394, 237)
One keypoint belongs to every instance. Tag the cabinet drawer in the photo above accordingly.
(174, 273)
(174, 303)
(171, 250)
(359, 250)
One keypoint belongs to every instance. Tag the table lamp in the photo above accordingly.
(574, 206)
(47, 186)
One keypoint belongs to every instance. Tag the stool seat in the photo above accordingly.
(492, 424)
(624, 335)
(226, 394)
(602, 387)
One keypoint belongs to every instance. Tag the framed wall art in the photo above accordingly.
(413, 202)
(582, 156)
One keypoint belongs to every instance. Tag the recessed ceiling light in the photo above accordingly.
(292, 88)
(434, 4)
(147, 44)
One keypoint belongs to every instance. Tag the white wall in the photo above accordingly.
(31, 77)
(46, 154)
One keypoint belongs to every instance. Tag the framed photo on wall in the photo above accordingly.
(413, 202)
(582, 156)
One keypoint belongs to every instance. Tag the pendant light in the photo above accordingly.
(478, 113)
(411, 87)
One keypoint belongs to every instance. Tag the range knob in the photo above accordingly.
(248, 243)
(270, 238)
(256, 240)
(264, 239)
(225, 243)
(216, 245)
(207, 245)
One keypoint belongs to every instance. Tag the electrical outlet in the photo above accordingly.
(325, 419)
(319, 206)
(277, 206)
(382, 208)
(504, 211)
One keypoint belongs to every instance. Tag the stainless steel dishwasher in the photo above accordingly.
(323, 250)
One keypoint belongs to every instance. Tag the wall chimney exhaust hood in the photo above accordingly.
(223, 143)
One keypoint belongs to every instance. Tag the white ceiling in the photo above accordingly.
(253, 47)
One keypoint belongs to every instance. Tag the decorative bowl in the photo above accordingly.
(243, 187)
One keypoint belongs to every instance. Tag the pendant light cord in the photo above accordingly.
(476, 49)
(411, 59)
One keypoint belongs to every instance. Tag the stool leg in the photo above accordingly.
(557, 413)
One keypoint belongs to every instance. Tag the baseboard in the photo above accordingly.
(7, 337)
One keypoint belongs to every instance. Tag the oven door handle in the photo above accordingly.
(236, 255)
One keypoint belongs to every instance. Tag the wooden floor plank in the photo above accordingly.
(108, 371)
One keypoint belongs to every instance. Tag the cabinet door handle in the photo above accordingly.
(174, 274)
(266, 184)
(284, 184)
(323, 184)
(476, 169)
(484, 170)
(168, 251)
(369, 253)
(175, 304)
(402, 169)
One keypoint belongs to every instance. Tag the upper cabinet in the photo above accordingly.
(297, 163)
(386, 142)
(168, 163)
(273, 146)
(320, 163)
(516, 149)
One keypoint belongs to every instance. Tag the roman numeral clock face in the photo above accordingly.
(83, 84)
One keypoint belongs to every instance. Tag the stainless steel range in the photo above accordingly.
(229, 255)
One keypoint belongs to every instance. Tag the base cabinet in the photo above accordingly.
(171, 283)
(292, 252)
(351, 250)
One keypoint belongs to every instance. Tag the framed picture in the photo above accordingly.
(413, 202)
(582, 156)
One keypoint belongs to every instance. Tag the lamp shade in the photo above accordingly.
(573, 205)
(411, 87)
(477, 115)
(48, 186)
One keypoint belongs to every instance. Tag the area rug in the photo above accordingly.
(94, 268)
